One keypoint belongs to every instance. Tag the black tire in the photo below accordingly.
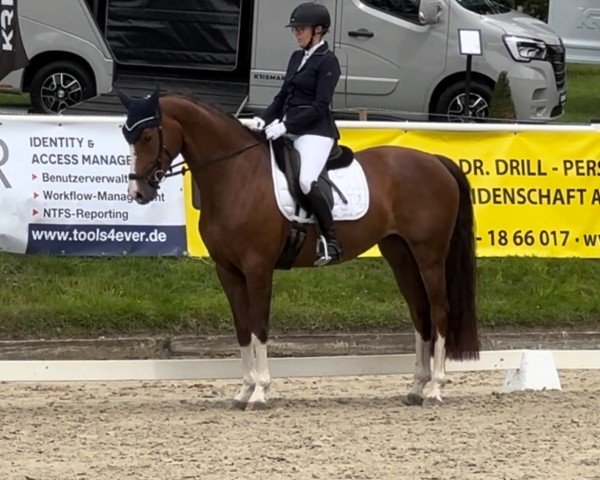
(451, 104)
(59, 85)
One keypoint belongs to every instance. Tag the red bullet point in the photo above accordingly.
(35, 212)
(33, 176)
(35, 195)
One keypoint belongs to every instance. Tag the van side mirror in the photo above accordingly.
(430, 11)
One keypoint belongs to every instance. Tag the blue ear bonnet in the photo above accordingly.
(141, 113)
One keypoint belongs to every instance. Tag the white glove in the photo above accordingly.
(256, 123)
(275, 130)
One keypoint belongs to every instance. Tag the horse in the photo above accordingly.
(420, 215)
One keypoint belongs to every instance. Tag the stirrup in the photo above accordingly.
(323, 256)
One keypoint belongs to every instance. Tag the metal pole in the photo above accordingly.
(467, 109)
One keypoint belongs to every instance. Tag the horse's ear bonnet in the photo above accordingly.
(141, 113)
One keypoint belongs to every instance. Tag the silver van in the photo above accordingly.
(397, 56)
(403, 55)
(66, 59)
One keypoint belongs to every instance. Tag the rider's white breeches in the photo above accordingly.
(314, 151)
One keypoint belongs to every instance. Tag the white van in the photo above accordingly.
(397, 56)
(66, 57)
(404, 55)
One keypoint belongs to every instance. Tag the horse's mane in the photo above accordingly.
(215, 109)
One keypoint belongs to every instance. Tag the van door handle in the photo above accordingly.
(363, 32)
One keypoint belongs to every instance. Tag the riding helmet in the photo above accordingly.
(310, 14)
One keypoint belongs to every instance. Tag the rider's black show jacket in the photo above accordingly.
(306, 94)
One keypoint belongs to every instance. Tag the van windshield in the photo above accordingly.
(483, 7)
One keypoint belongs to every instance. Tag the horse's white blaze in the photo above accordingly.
(439, 369)
(262, 377)
(133, 186)
(422, 365)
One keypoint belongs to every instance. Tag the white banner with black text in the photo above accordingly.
(63, 190)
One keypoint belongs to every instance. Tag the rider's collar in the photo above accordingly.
(312, 49)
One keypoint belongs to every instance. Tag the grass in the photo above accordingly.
(583, 101)
(57, 297)
(15, 99)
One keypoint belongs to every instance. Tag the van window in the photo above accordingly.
(405, 9)
(483, 7)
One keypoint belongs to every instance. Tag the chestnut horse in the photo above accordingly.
(420, 215)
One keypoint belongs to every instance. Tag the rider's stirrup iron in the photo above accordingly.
(323, 257)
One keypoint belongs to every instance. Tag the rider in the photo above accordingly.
(301, 110)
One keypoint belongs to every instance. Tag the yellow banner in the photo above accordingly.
(534, 192)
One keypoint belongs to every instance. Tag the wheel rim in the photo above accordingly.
(480, 108)
(59, 91)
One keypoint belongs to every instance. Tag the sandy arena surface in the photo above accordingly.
(326, 428)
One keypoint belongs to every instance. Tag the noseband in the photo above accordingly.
(155, 174)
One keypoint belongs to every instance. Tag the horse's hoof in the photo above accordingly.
(432, 401)
(238, 405)
(256, 406)
(413, 400)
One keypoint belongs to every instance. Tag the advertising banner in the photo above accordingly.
(63, 190)
(12, 53)
(535, 192)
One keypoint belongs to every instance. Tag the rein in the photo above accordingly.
(155, 174)
(214, 160)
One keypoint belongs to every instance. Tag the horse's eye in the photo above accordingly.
(146, 138)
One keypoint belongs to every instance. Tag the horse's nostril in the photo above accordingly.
(137, 196)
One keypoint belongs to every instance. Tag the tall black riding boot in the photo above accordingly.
(328, 247)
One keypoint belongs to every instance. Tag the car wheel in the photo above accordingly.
(59, 85)
(451, 104)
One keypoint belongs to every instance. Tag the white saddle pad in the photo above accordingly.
(350, 180)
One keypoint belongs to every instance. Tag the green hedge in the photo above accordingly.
(535, 8)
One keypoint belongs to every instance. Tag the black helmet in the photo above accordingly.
(310, 14)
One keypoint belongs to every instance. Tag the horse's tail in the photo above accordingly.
(462, 341)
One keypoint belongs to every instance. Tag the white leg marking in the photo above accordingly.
(248, 373)
(422, 365)
(439, 369)
(262, 376)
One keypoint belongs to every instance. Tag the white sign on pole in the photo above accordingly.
(469, 42)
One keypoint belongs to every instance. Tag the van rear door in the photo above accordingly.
(392, 60)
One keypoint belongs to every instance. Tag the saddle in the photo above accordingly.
(287, 159)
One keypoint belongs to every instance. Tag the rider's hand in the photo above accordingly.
(275, 130)
(256, 123)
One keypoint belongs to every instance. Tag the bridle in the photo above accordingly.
(155, 173)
